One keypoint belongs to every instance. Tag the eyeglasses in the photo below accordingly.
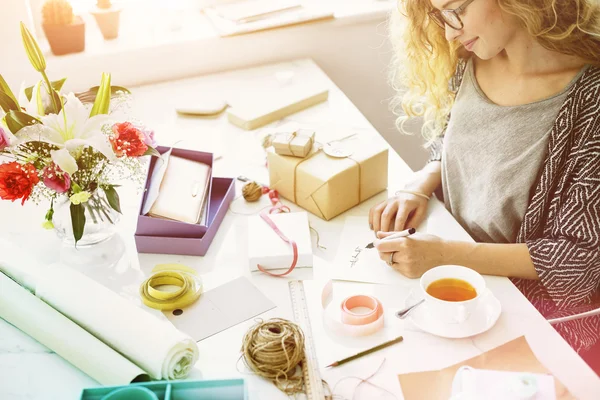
(450, 17)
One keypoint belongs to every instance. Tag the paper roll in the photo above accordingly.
(18, 264)
(61, 335)
(155, 346)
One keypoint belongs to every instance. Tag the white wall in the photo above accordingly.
(355, 55)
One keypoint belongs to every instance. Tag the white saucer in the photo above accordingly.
(482, 319)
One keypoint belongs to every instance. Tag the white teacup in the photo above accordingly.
(452, 311)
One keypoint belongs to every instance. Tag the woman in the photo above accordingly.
(516, 147)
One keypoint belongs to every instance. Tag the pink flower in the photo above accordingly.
(149, 138)
(56, 179)
(4, 139)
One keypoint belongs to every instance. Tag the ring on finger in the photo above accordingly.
(391, 260)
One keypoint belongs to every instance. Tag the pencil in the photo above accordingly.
(369, 351)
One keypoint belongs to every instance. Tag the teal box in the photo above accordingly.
(223, 389)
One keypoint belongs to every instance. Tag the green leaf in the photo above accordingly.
(89, 96)
(7, 103)
(102, 102)
(17, 120)
(113, 198)
(113, 90)
(6, 89)
(57, 85)
(77, 221)
(36, 57)
(152, 152)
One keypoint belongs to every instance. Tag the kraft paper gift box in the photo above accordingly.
(298, 143)
(152, 226)
(221, 195)
(266, 248)
(327, 186)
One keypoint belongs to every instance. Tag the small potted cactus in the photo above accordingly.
(65, 32)
(107, 17)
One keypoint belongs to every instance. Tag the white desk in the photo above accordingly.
(30, 371)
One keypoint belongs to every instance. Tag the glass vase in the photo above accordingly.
(100, 220)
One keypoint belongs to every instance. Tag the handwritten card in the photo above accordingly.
(364, 265)
(357, 263)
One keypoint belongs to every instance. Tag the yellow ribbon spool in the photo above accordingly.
(185, 278)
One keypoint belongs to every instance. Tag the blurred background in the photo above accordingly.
(148, 41)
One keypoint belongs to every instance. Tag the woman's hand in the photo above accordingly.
(412, 255)
(397, 213)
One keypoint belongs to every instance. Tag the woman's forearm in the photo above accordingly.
(509, 259)
(427, 179)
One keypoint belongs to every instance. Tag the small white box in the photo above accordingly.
(266, 248)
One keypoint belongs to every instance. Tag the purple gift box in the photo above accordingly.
(164, 236)
(150, 226)
(223, 192)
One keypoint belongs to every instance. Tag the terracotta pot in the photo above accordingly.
(66, 39)
(108, 21)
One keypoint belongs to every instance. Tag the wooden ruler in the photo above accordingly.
(310, 367)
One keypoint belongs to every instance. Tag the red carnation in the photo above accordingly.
(127, 140)
(17, 181)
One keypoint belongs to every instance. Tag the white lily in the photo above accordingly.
(40, 100)
(70, 130)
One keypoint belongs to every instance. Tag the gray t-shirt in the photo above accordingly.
(492, 157)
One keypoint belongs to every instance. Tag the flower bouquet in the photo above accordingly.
(68, 149)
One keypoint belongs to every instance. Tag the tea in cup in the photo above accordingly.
(452, 292)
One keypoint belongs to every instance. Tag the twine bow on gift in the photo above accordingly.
(268, 140)
(314, 153)
(292, 136)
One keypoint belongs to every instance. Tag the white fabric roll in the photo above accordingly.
(61, 335)
(155, 346)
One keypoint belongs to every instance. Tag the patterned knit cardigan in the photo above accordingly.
(561, 226)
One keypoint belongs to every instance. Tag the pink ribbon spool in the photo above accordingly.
(351, 318)
(352, 323)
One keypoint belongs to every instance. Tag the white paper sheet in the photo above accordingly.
(332, 346)
(31, 315)
(154, 345)
(216, 311)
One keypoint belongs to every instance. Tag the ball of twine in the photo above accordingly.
(274, 349)
(252, 191)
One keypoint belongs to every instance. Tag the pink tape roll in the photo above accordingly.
(351, 323)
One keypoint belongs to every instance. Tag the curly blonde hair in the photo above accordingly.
(424, 61)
